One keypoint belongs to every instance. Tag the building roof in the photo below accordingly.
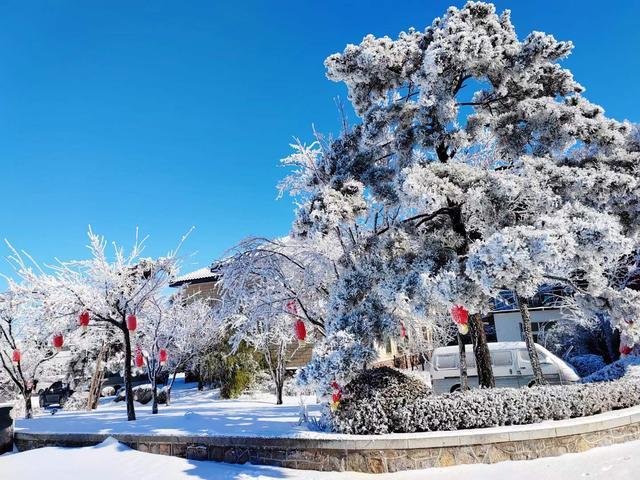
(202, 275)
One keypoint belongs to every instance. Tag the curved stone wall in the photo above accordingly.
(378, 454)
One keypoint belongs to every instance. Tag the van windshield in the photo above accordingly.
(523, 356)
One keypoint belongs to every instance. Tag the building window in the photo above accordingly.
(539, 330)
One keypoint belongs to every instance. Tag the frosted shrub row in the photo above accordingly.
(484, 408)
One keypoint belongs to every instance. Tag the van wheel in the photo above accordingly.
(532, 383)
(455, 388)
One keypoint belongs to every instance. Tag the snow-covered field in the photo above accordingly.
(111, 460)
(191, 413)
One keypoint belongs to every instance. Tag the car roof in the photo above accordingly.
(493, 346)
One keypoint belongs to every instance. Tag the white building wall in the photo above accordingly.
(508, 323)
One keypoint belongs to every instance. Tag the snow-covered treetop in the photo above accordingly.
(477, 165)
(109, 287)
(261, 277)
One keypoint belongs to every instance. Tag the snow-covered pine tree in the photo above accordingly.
(477, 165)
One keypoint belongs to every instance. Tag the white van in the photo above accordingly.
(511, 367)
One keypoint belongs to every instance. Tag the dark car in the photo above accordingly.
(55, 395)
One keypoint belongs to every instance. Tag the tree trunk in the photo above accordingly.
(279, 388)
(131, 412)
(481, 352)
(154, 407)
(96, 380)
(28, 407)
(464, 381)
(523, 305)
(170, 386)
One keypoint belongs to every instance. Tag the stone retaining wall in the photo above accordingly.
(375, 454)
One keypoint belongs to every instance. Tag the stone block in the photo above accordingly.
(376, 464)
(179, 450)
(334, 462)
(143, 447)
(197, 452)
(496, 454)
(304, 465)
(445, 458)
(398, 464)
(164, 448)
(216, 453)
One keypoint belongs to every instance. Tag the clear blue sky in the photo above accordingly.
(166, 115)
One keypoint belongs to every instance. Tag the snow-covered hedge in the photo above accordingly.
(612, 371)
(370, 414)
(381, 393)
(587, 364)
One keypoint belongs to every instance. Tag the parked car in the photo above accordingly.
(55, 395)
(511, 367)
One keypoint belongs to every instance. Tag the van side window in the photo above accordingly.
(471, 360)
(501, 358)
(446, 361)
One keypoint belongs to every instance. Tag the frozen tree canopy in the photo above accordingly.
(477, 165)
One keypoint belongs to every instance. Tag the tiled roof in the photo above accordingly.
(198, 276)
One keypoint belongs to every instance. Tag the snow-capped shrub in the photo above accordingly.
(612, 371)
(77, 401)
(108, 392)
(144, 394)
(380, 400)
(585, 365)
(359, 414)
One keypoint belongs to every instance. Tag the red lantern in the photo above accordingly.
(139, 360)
(336, 396)
(292, 308)
(58, 341)
(132, 323)
(16, 356)
(625, 349)
(460, 315)
(163, 356)
(403, 330)
(84, 320)
(301, 330)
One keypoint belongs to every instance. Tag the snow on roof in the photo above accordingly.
(492, 347)
(198, 276)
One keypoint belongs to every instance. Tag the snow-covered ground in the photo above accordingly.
(111, 460)
(196, 413)
(191, 413)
